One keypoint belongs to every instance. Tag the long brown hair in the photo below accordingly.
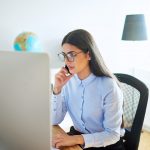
(83, 40)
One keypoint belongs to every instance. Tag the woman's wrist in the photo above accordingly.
(79, 139)
(56, 90)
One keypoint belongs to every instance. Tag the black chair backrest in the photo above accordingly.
(135, 94)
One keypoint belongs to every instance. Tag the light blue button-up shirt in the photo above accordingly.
(95, 107)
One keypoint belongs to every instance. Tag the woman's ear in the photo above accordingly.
(88, 55)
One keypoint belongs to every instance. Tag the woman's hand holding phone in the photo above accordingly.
(61, 79)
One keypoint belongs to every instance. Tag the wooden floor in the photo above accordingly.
(144, 141)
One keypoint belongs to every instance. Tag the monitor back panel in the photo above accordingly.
(24, 101)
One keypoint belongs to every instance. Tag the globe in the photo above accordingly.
(27, 41)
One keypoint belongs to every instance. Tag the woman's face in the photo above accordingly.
(80, 62)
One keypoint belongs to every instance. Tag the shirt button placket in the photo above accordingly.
(82, 97)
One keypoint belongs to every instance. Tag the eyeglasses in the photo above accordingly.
(70, 56)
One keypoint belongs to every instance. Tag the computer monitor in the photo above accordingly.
(24, 101)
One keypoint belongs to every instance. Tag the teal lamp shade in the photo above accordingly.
(134, 28)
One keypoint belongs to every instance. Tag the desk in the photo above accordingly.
(57, 129)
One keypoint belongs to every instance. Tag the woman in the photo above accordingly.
(90, 94)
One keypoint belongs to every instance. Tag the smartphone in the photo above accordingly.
(68, 73)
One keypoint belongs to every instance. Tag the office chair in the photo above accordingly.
(135, 95)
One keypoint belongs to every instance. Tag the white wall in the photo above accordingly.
(52, 19)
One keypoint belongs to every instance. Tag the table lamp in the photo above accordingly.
(134, 28)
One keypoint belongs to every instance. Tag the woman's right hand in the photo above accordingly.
(60, 80)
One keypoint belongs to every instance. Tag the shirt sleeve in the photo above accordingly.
(112, 109)
(59, 108)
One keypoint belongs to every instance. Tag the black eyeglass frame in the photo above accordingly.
(70, 56)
